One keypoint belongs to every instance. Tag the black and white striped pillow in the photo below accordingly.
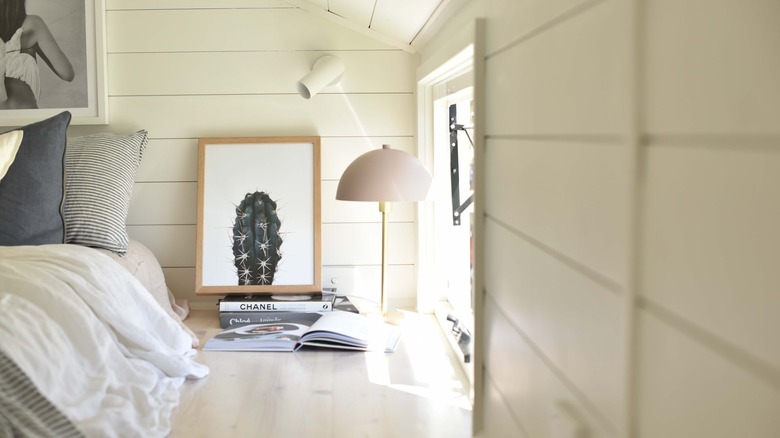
(99, 176)
(24, 411)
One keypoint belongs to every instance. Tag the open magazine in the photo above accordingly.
(291, 331)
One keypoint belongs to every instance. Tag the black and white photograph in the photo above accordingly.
(52, 60)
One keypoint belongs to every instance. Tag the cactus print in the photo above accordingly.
(256, 240)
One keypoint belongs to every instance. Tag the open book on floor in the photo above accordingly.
(334, 329)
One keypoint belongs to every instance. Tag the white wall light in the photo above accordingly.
(327, 70)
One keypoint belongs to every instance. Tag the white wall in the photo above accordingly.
(631, 196)
(190, 68)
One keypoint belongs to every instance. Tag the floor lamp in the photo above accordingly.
(385, 176)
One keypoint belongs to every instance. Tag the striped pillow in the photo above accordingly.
(99, 176)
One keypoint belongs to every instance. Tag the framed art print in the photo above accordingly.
(64, 70)
(259, 216)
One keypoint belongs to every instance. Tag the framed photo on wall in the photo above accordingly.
(259, 216)
(52, 60)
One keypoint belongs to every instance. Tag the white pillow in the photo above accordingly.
(9, 145)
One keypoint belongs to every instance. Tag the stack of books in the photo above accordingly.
(288, 322)
(277, 308)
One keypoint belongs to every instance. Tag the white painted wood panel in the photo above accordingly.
(572, 197)
(319, 3)
(206, 30)
(361, 244)
(365, 281)
(336, 211)
(567, 80)
(339, 152)
(113, 5)
(173, 245)
(171, 203)
(357, 11)
(392, 17)
(174, 160)
(181, 281)
(510, 20)
(269, 115)
(174, 203)
(722, 76)
(212, 69)
(711, 241)
(342, 244)
(686, 390)
(498, 421)
(530, 388)
(196, 73)
(574, 321)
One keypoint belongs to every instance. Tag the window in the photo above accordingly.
(447, 121)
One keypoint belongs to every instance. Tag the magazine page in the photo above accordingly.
(352, 331)
(268, 336)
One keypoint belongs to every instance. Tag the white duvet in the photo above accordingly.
(93, 340)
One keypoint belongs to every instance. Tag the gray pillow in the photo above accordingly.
(99, 177)
(31, 192)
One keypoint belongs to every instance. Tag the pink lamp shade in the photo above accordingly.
(384, 175)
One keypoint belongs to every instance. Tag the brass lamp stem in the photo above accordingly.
(385, 208)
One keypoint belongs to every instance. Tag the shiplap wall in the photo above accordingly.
(186, 69)
(632, 202)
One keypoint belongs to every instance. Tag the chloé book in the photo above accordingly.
(292, 331)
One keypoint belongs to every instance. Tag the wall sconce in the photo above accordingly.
(385, 176)
(327, 70)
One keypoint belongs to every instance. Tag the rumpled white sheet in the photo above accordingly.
(93, 340)
(142, 263)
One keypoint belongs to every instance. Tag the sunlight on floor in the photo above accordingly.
(433, 375)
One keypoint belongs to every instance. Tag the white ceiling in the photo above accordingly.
(396, 22)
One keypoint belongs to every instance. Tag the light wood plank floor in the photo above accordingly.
(418, 391)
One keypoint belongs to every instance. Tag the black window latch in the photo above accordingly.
(463, 336)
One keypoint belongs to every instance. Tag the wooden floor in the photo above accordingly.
(418, 391)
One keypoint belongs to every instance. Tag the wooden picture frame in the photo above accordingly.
(78, 29)
(259, 216)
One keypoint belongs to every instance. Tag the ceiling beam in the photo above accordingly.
(327, 15)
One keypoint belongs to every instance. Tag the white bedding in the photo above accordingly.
(143, 264)
(93, 340)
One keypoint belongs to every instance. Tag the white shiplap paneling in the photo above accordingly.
(357, 244)
(114, 5)
(512, 21)
(530, 388)
(356, 115)
(569, 196)
(202, 69)
(574, 321)
(721, 77)
(576, 86)
(687, 390)
(228, 30)
(253, 72)
(178, 198)
(499, 421)
(169, 160)
(706, 252)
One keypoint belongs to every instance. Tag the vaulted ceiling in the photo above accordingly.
(396, 22)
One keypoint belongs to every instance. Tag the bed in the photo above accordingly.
(92, 341)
